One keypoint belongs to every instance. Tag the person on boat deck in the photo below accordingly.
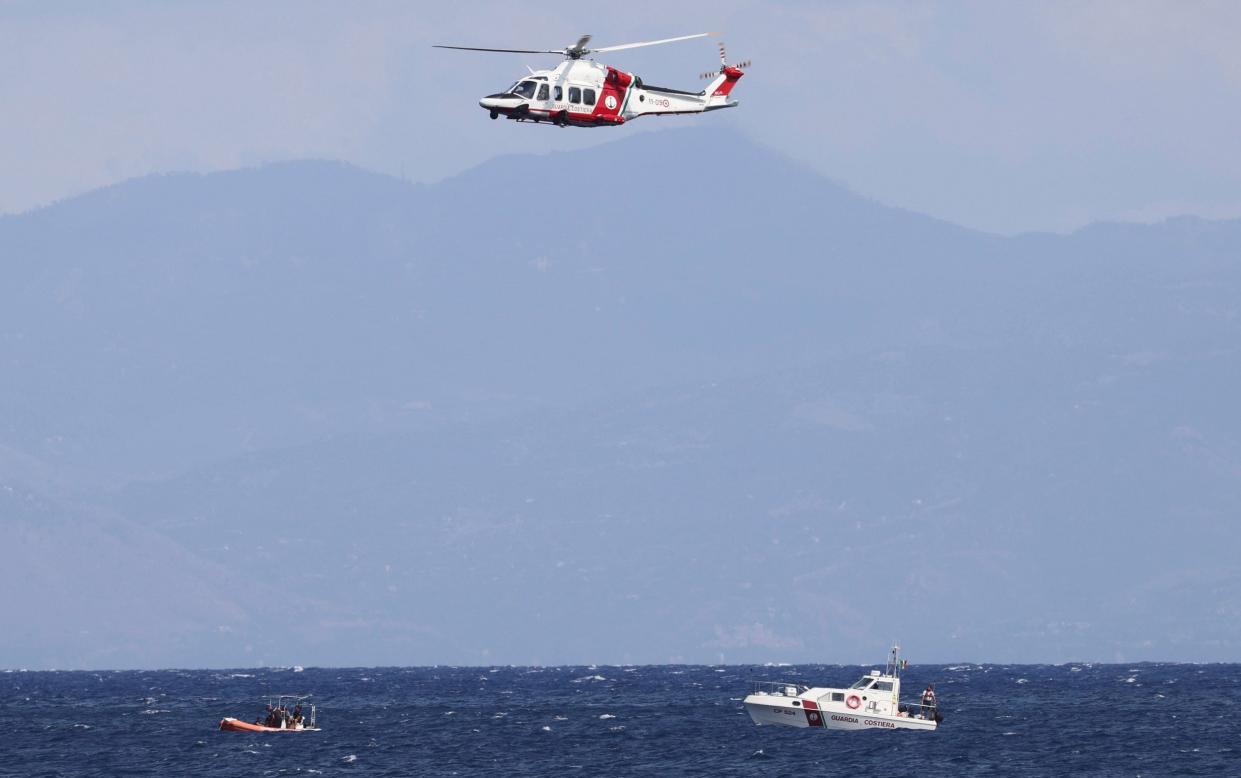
(928, 698)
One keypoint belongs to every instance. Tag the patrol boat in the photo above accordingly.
(871, 703)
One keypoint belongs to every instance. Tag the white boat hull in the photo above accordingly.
(765, 709)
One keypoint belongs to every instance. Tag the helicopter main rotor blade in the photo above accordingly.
(652, 43)
(505, 51)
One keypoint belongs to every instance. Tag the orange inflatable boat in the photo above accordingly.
(230, 724)
(283, 714)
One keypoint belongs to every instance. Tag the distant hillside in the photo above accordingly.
(609, 406)
(270, 306)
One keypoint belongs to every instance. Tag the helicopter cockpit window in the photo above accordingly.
(543, 92)
(524, 89)
(575, 95)
(588, 97)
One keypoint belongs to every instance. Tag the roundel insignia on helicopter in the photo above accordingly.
(610, 102)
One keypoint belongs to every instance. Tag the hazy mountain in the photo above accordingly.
(676, 398)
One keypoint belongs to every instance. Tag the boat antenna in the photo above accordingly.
(894, 662)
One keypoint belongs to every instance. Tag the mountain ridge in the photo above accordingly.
(569, 407)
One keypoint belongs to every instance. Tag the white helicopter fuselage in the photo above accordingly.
(584, 93)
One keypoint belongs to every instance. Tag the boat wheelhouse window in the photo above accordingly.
(588, 97)
(862, 684)
(883, 686)
(575, 95)
(838, 696)
(543, 92)
(559, 95)
(525, 89)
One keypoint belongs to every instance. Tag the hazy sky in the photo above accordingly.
(1001, 116)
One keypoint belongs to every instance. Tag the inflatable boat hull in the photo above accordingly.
(237, 725)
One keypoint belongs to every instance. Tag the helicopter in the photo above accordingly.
(583, 93)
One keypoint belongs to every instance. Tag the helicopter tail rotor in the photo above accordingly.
(724, 66)
(717, 93)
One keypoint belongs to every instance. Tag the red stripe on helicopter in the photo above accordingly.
(612, 98)
(731, 76)
(580, 118)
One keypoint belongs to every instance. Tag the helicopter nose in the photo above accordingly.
(498, 100)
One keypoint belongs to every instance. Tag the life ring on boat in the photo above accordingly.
(854, 701)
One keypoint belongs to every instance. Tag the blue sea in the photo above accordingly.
(1062, 720)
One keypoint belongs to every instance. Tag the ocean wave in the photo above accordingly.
(430, 721)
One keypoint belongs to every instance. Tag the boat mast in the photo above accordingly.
(894, 662)
(894, 670)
